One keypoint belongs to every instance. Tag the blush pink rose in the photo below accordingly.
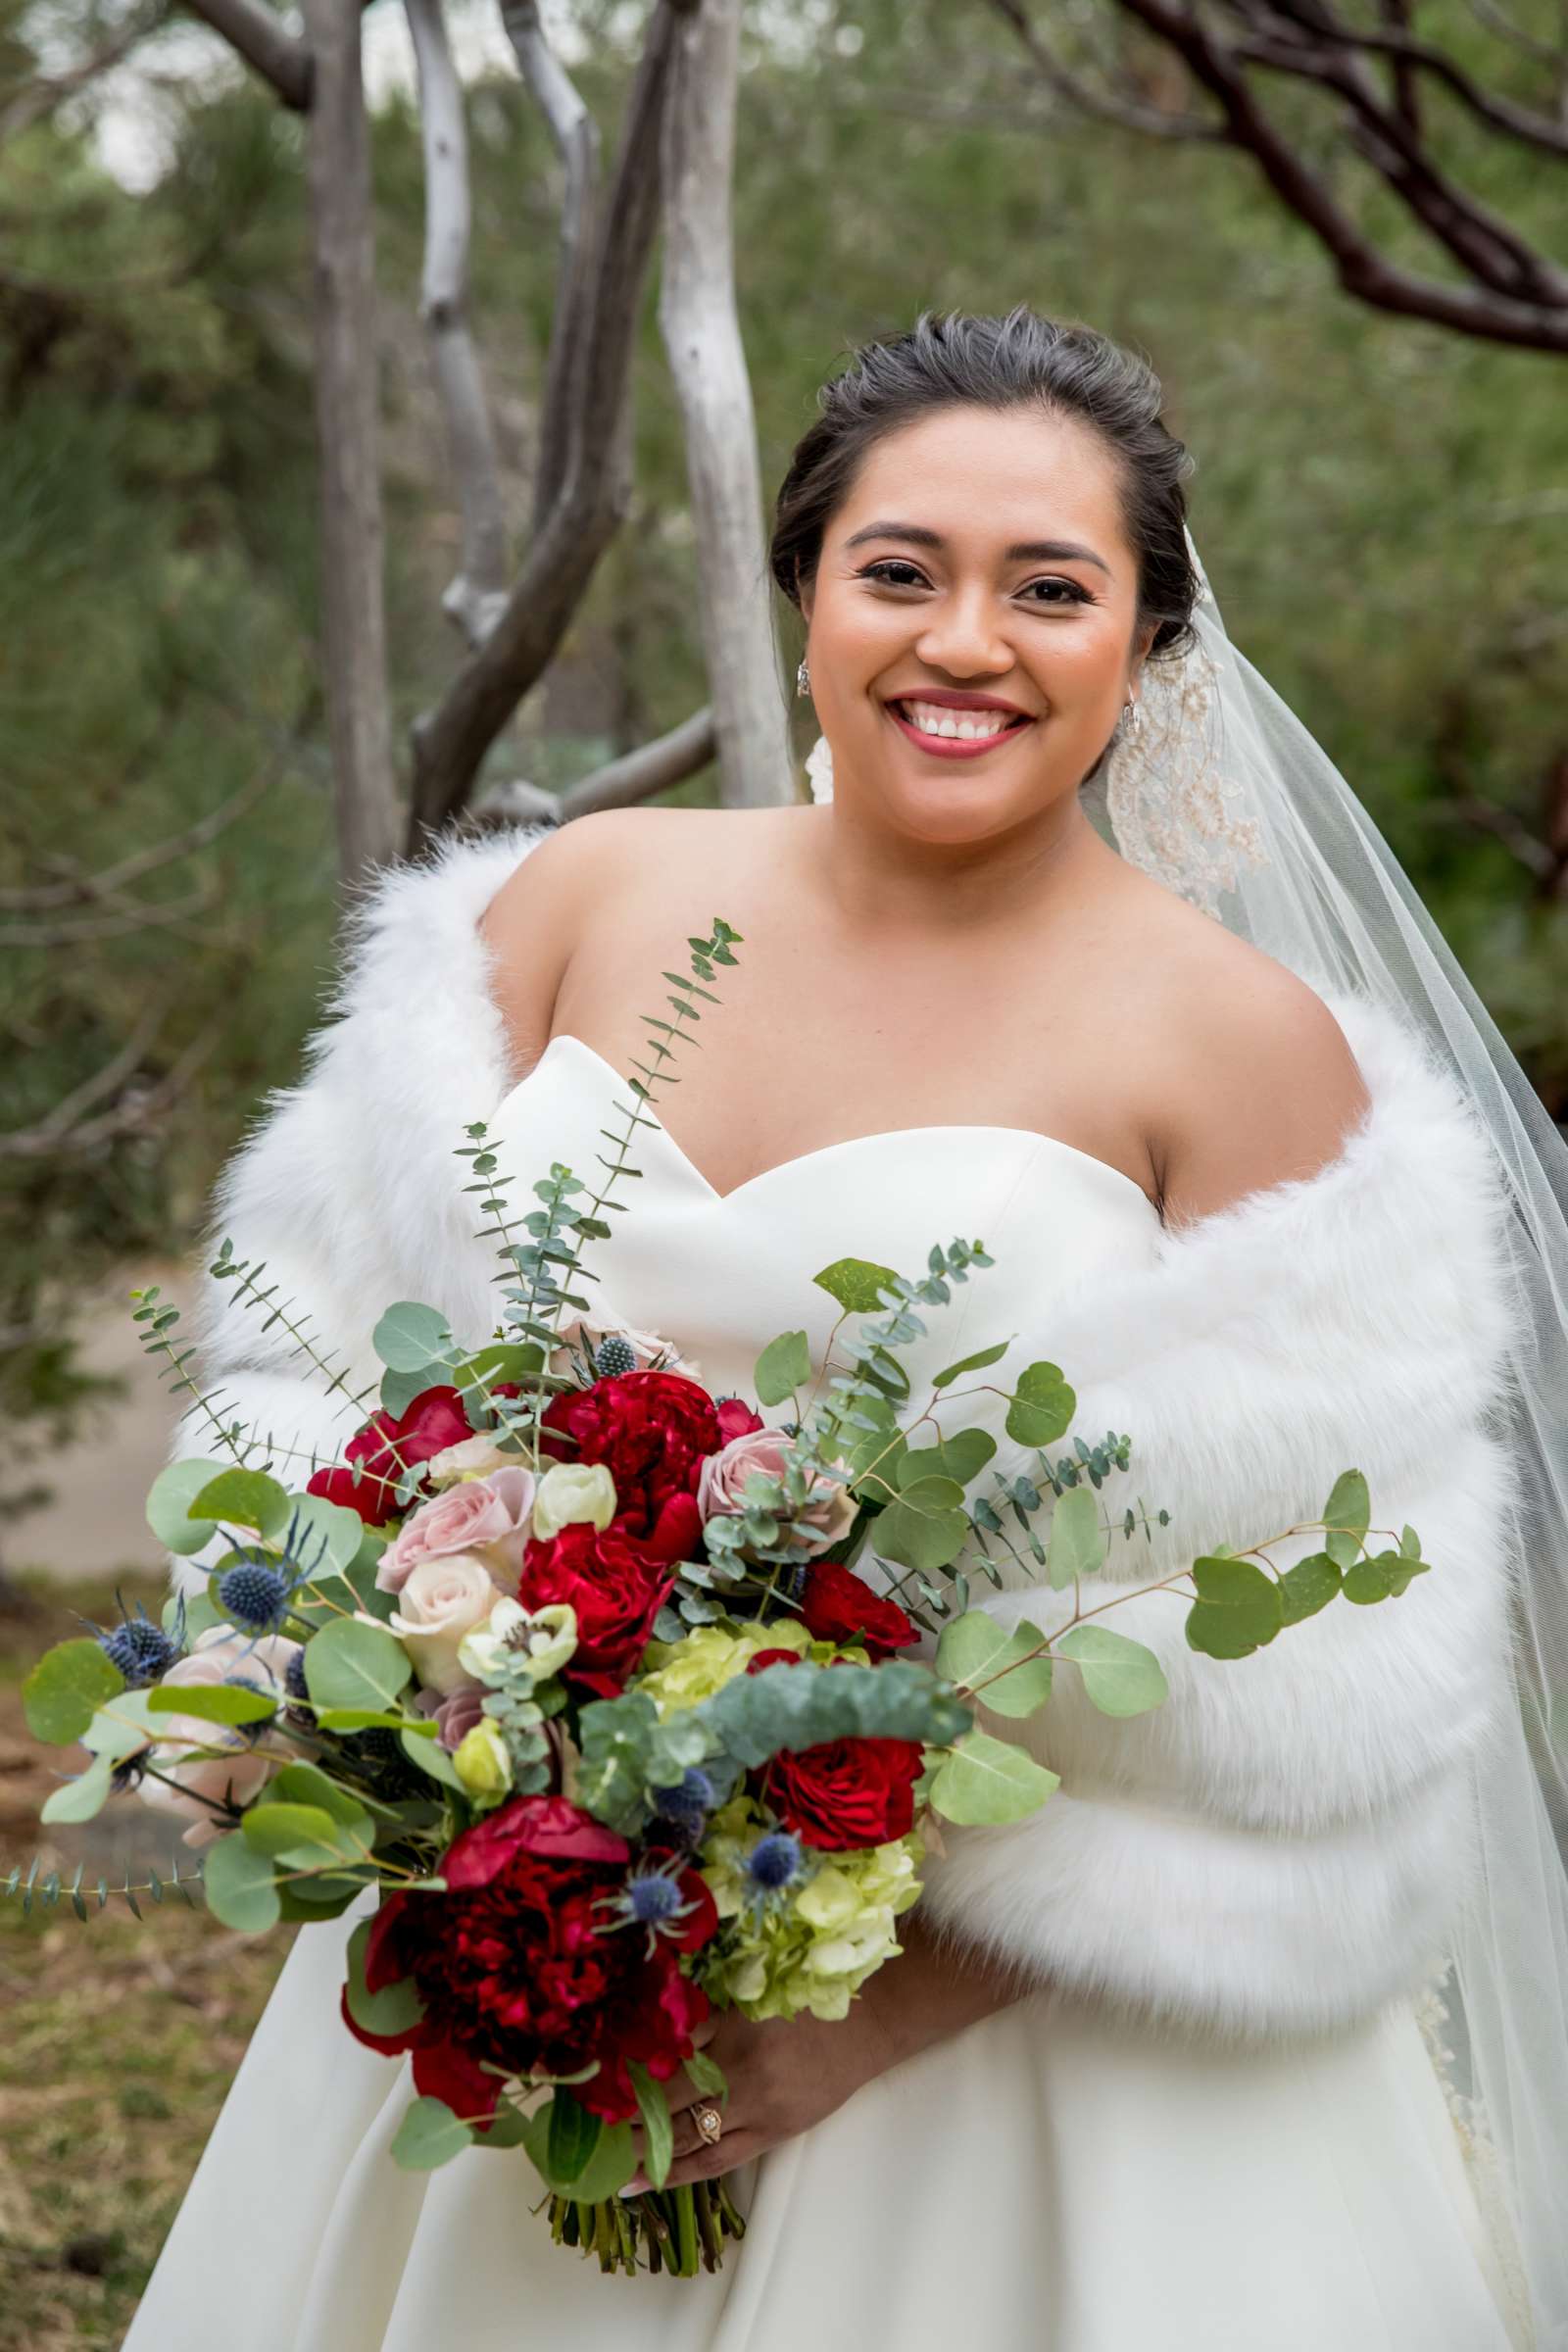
(241, 1770)
(828, 1511)
(488, 1517)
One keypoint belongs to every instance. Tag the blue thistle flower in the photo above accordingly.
(294, 1677)
(687, 1805)
(652, 1898)
(254, 1593)
(773, 1861)
(140, 1648)
(615, 1356)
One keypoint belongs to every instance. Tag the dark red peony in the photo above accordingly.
(838, 1606)
(386, 1445)
(617, 1587)
(520, 1966)
(653, 1431)
(845, 1793)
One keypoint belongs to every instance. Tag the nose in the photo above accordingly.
(961, 636)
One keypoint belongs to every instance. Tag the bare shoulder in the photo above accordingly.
(1260, 1083)
(577, 884)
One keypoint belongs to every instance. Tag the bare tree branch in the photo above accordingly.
(138, 1109)
(1106, 106)
(354, 646)
(451, 741)
(40, 97)
(576, 137)
(1520, 123)
(78, 888)
(1517, 297)
(708, 363)
(621, 784)
(474, 597)
(251, 27)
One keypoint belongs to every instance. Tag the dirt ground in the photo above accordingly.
(121, 2036)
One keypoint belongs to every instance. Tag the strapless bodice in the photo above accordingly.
(721, 1274)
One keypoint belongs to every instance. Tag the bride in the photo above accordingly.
(1245, 2042)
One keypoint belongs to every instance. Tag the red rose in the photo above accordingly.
(653, 1431)
(736, 1419)
(617, 1588)
(521, 1965)
(774, 1657)
(845, 1793)
(385, 1446)
(838, 1606)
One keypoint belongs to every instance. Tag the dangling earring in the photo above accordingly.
(1132, 718)
(803, 678)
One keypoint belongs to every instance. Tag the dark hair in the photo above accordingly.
(952, 360)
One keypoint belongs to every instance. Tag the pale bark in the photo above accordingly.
(475, 596)
(576, 137)
(354, 615)
(451, 741)
(703, 343)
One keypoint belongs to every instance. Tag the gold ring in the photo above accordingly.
(710, 2124)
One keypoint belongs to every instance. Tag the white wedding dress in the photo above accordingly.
(1046, 2180)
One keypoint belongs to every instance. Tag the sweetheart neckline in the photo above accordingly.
(848, 1143)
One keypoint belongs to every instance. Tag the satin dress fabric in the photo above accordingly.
(1048, 2179)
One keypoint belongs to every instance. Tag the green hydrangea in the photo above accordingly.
(811, 1947)
(688, 1671)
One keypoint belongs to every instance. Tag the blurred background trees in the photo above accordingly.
(1381, 499)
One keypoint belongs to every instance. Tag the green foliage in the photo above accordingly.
(429, 2134)
(66, 1687)
(989, 1780)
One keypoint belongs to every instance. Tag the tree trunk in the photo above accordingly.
(354, 617)
(701, 337)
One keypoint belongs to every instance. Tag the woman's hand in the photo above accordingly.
(784, 2077)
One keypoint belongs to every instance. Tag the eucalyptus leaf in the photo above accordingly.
(970, 1363)
(1348, 1509)
(169, 1501)
(326, 1536)
(1238, 1609)
(857, 1283)
(307, 1784)
(277, 1830)
(1077, 1541)
(410, 1338)
(1121, 1677)
(123, 1725)
(925, 1527)
(396, 2009)
(241, 1889)
(975, 1650)
(212, 1702)
(241, 1498)
(1308, 1587)
(961, 1459)
(986, 1780)
(1041, 1407)
(349, 1664)
(755, 1715)
(429, 2134)
(784, 1365)
(80, 1798)
(66, 1689)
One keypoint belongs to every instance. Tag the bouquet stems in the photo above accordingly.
(677, 2229)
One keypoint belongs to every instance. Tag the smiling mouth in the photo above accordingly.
(956, 733)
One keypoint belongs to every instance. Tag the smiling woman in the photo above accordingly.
(1155, 2057)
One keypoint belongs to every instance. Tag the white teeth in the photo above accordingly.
(970, 727)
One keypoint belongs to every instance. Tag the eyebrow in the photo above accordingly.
(1022, 550)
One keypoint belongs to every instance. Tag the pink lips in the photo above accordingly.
(953, 747)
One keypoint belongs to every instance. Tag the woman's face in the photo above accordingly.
(979, 552)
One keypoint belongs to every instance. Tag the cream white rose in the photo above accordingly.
(441, 1601)
(574, 1491)
(471, 1458)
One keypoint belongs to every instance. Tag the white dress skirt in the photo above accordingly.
(1050, 2180)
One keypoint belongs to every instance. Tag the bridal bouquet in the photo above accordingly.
(573, 1667)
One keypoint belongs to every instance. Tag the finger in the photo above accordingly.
(706, 2164)
(687, 2141)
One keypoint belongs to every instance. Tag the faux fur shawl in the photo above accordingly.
(1283, 1844)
